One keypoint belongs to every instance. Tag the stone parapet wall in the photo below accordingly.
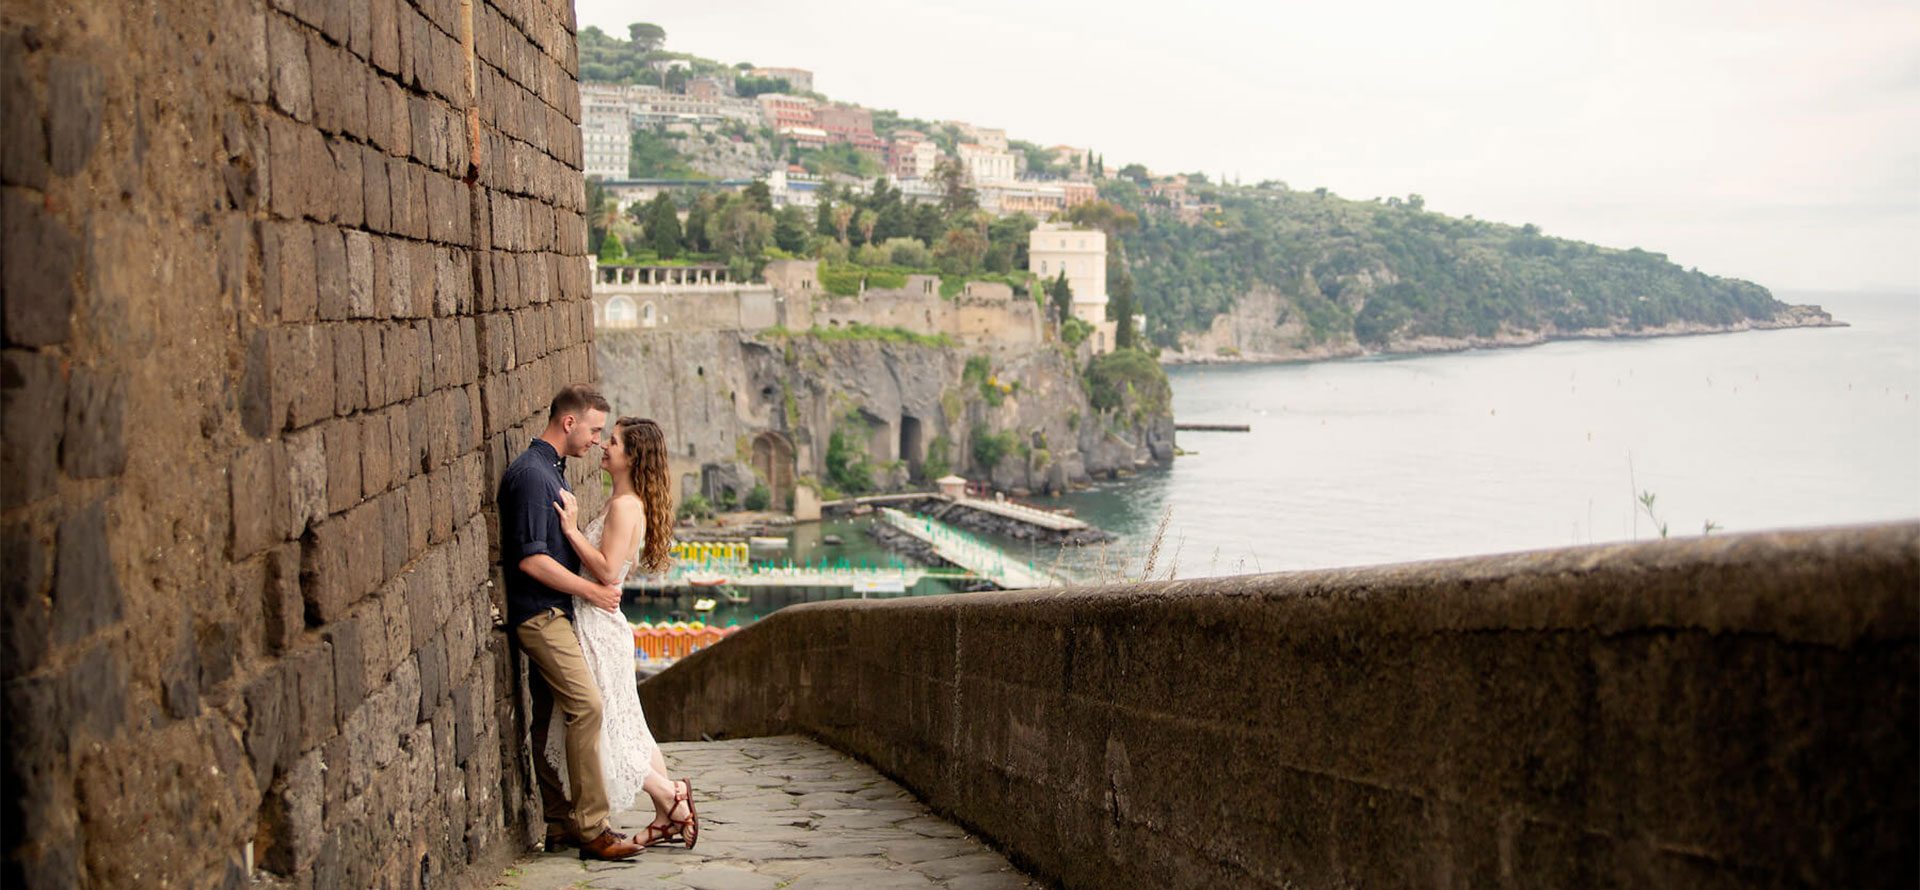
(286, 283)
(1730, 712)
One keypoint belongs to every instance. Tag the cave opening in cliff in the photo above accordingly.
(912, 448)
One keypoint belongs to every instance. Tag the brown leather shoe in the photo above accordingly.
(609, 846)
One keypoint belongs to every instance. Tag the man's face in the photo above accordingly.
(585, 431)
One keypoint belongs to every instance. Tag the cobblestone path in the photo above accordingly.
(791, 813)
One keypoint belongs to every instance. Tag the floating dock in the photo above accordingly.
(1213, 427)
(982, 559)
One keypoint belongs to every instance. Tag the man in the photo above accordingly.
(542, 578)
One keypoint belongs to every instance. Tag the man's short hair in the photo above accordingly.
(573, 399)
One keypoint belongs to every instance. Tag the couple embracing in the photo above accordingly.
(591, 744)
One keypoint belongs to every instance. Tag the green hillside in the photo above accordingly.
(1375, 271)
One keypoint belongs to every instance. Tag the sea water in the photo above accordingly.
(1384, 460)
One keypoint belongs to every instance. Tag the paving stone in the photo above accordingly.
(720, 876)
(908, 852)
(788, 812)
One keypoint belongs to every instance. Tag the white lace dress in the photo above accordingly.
(626, 744)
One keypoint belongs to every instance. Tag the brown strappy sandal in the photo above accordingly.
(688, 828)
(660, 834)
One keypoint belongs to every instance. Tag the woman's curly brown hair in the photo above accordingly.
(646, 447)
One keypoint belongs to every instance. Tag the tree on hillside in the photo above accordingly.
(663, 226)
(738, 230)
(842, 217)
(928, 225)
(1136, 172)
(759, 196)
(790, 229)
(960, 250)
(646, 36)
(956, 198)
(696, 231)
(599, 216)
(864, 221)
(1120, 296)
(1104, 216)
(611, 250)
(1060, 297)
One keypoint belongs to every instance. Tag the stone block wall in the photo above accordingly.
(1727, 712)
(286, 284)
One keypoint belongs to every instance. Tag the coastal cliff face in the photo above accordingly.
(1263, 326)
(741, 409)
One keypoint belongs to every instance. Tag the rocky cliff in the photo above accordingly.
(1264, 325)
(742, 409)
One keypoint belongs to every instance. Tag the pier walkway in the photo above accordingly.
(1023, 513)
(969, 553)
(785, 812)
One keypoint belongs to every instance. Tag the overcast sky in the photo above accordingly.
(1773, 141)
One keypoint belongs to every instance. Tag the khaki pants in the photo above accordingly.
(561, 677)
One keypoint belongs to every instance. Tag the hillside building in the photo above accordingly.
(912, 156)
(781, 110)
(799, 80)
(985, 165)
(606, 131)
(1082, 255)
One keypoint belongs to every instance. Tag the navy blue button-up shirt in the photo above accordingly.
(529, 525)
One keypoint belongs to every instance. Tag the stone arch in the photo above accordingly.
(648, 317)
(773, 462)
(620, 312)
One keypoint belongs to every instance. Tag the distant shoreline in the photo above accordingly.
(1794, 316)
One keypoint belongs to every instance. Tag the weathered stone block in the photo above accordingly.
(418, 745)
(326, 582)
(349, 370)
(375, 439)
(396, 623)
(419, 417)
(76, 99)
(290, 75)
(374, 353)
(270, 724)
(419, 519)
(38, 265)
(424, 258)
(330, 272)
(86, 589)
(23, 125)
(290, 823)
(313, 687)
(305, 373)
(401, 463)
(349, 665)
(283, 608)
(359, 277)
(93, 445)
(375, 197)
(401, 378)
(341, 446)
(383, 36)
(33, 397)
(24, 637)
(365, 560)
(431, 659)
(426, 589)
(399, 280)
(294, 279)
(258, 479)
(306, 466)
(464, 724)
(440, 488)
(393, 514)
(344, 187)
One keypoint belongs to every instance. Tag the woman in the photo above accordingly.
(638, 518)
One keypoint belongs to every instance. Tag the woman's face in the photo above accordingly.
(614, 458)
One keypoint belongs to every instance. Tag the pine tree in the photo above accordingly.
(663, 226)
(1060, 294)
